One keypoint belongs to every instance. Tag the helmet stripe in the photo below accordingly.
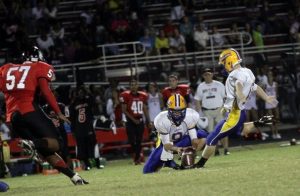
(177, 100)
(236, 52)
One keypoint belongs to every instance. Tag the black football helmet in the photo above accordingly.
(33, 54)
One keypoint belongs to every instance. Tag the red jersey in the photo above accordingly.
(182, 89)
(134, 102)
(19, 83)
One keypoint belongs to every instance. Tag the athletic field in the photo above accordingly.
(253, 170)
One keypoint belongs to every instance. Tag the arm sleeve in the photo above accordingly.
(48, 95)
(165, 139)
(192, 133)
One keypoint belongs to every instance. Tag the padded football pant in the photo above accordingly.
(233, 123)
(154, 163)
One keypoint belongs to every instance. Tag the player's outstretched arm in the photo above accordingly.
(269, 99)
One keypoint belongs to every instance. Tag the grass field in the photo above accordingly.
(255, 170)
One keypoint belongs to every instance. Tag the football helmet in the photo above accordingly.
(176, 109)
(33, 54)
(229, 58)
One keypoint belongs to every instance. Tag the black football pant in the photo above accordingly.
(135, 137)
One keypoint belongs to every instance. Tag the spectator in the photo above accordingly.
(294, 30)
(209, 99)
(177, 10)
(100, 30)
(169, 27)
(69, 50)
(187, 30)
(272, 90)
(155, 101)
(45, 43)
(57, 33)
(177, 42)
(218, 39)
(51, 9)
(148, 42)
(136, 27)
(234, 37)
(201, 37)
(162, 43)
(120, 27)
(38, 12)
(258, 41)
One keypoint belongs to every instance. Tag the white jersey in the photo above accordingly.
(246, 78)
(211, 94)
(153, 106)
(169, 132)
(271, 91)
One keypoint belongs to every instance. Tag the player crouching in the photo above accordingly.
(176, 128)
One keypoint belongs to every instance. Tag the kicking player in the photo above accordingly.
(21, 84)
(239, 84)
(177, 129)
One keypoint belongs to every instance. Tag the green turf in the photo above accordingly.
(255, 170)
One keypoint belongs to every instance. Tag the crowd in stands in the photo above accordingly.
(115, 21)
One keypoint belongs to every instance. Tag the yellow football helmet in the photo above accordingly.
(229, 58)
(176, 108)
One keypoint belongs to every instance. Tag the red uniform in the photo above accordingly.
(134, 102)
(182, 89)
(20, 82)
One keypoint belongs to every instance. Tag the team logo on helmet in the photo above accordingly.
(176, 109)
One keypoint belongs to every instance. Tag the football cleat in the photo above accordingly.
(265, 120)
(172, 164)
(78, 180)
(29, 148)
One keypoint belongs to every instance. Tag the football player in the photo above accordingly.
(239, 84)
(21, 84)
(177, 129)
(82, 118)
(182, 89)
(134, 106)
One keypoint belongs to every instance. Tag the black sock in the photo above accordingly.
(201, 162)
(63, 168)
(97, 160)
(87, 163)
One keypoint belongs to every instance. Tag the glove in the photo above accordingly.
(265, 120)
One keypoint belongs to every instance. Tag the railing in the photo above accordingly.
(136, 63)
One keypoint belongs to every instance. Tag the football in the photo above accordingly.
(188, 158)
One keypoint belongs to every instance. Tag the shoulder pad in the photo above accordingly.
(191, 118)
(161, 122)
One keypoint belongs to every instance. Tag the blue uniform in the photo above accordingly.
(154, 162)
